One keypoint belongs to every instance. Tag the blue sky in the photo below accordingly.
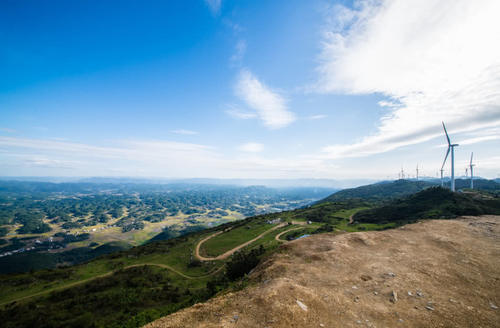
(247, 89)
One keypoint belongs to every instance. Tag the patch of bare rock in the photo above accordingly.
(440, 273)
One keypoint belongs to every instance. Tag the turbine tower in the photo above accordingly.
(471, 172)
(452, 147)
(417, 171)
(442, 166)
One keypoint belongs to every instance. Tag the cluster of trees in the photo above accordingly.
(76, 205)
(112, 301)
(431, 203)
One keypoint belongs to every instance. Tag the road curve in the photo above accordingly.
(231, 251)
(277, 237)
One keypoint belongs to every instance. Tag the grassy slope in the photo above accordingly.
(432, 203)
(231, 239)
(380, 191)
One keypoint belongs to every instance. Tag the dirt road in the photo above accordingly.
(439, 273)
(277, 237)
(231, 251)
(107, 274)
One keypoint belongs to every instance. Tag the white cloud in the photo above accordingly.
(50, 163)
(239, 52)
(475, 140)
(435, 60)
(238, 113)
(184, 132)
(214, 5)
(317, 117)
(269, 105)
(251, 147)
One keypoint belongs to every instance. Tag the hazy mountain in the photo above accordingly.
(273, 183)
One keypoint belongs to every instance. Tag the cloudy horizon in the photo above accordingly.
(292, 89)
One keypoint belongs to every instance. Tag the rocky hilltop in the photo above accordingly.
(439, 273)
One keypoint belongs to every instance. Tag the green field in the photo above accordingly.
(228, 240)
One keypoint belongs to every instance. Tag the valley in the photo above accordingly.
(74, 222)
(134, 286)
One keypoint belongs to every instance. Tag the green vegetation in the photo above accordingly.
(81, 214)
(380, 191)
(219, 244)
(432, 203)
(131, 287)
(387, 190)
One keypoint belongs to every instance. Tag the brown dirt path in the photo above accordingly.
(277, 237)
(437, 273)
(231, 251)
(107, 274)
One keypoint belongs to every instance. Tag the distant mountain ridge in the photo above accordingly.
(272, 183)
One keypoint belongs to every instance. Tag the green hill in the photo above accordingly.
(380, 191)
(387, 190)
(431, 203)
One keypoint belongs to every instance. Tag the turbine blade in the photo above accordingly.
(447, 153)
(446, 132)
(471, 154)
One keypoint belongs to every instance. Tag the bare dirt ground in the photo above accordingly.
(441, 273)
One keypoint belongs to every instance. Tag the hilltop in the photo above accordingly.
(387, 190)
(439, 273)
(380, 191)
(431, 203)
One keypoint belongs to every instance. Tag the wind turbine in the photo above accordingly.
(471, 172)
(417, 171)
(452, 147)
(442, 182)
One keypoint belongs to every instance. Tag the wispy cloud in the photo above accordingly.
(317, 117)
(238, 113)
(214, 5)
(152, 158)
(51, 163)
(251, 147)
(7, 130)
(184, 132)
(434, 60)
(269, 105)
(239, 52)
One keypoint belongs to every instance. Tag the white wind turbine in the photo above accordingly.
(471, 172)
(452, 148)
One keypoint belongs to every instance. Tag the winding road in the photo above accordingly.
(197, 254)
(277, 237)
(231, 251)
